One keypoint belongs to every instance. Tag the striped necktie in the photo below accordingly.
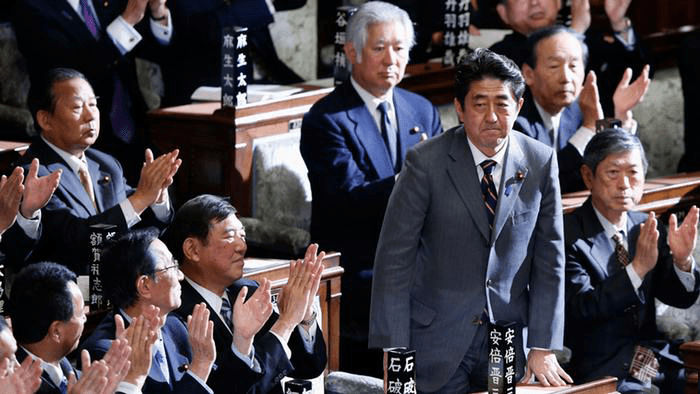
(488, 189)
(621, 253)
(226, 312)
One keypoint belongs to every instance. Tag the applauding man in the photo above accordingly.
(92, 189)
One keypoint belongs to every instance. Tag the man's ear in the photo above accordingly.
(503, 13)
(520, 105)
(190, 249)
(350, 52)
(143, 287)
(55, 331)
(587, 175)
(42, 117)
(528, 74)
(459, 109)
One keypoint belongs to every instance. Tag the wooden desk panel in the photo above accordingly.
(329, 296)
(601, 386)
(690, 352)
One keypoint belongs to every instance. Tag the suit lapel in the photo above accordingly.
(569, 123)
(190, 297)
(367, 133)
(530, 113)
(101, 185)
(601, 248)
(175, 359)
(462, 172)
(512, 178)
(408, 127)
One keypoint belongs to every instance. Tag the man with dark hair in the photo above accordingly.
(617, 262)
(261, 347)
(100, 39)
(46, 308)
(560, 109)
(354, 142)
(612, 50)
(92, 189)
(143, 274)
(473, 233)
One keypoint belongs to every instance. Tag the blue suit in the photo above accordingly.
(438, 265)
(231, 375)
(530, 123)
(605, 317)
(177, 353)
(47, 385)
(67, 217)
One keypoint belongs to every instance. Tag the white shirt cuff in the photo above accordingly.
(128, 388)
(201, 382)
(629, 42)
(30, 226)
(634, 278)
(124, 36)
(687, 278)
(162, 210)
(249, 360)
(308, 337)
(581, 138)
(130, 215)
(160, 32)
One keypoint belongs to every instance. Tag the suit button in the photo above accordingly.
(476, 320)
(489, 282)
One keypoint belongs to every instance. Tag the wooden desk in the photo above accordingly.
(690, 352)
(216, 150)
(601, 386)
(670, 194)
(432, 81)
(10, 151)
(277, 271)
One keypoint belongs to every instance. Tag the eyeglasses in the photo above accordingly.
(176, 265)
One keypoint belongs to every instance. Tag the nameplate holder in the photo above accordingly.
(99, 235)
(501, 373)
(400, 371)
(456, 21)
(341, 69)
(297, 386)
(235, 67)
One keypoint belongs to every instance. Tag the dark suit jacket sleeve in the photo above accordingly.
(334, 172)
(307, 365)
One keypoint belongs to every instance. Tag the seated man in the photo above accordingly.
(143, 274)
(353, 142)
(617, 262)
(92, 189)
(560, 109)
(612, 50)
(209, 241)
(47, 313)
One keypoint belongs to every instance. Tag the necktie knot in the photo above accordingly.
(488, 166)
(383, 107)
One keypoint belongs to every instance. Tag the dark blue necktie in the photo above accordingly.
(488, 189)
(63, 387)
(388, 133)
(226, 312)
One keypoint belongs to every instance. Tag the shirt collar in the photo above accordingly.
(75, 4)
(370, 100)
(551, 122)
(479, 156)
(54, 371)
(609, 228)
(72, 160)
(214, 300)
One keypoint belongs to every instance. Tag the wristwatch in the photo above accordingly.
(310, 320)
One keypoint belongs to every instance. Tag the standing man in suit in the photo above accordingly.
(143, 274)
(46, 307)
(473, 232)
(617, 262)
(101, 40)
(256, 347)
(612, 50)
(560, 109)
(353, 142)
(92, 189)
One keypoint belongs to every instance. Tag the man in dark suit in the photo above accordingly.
(617, 262)
(143, 274)
(46, 307)
(260, 346)
(92, 189)
(560, 108)
(354, 150)
(612, 50)
(99, 39)
(16, 378)
(455, 252)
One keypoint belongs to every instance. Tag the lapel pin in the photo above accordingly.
(183, 367)
(104, 180)
(105, 4)
(414, 130)
(519, 176)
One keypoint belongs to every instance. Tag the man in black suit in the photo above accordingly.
(143, 278)
(617, 262)
(46, 307)
(261, 347)
(560, 108)
(99, 39)
(92, 189)
(612, 50)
